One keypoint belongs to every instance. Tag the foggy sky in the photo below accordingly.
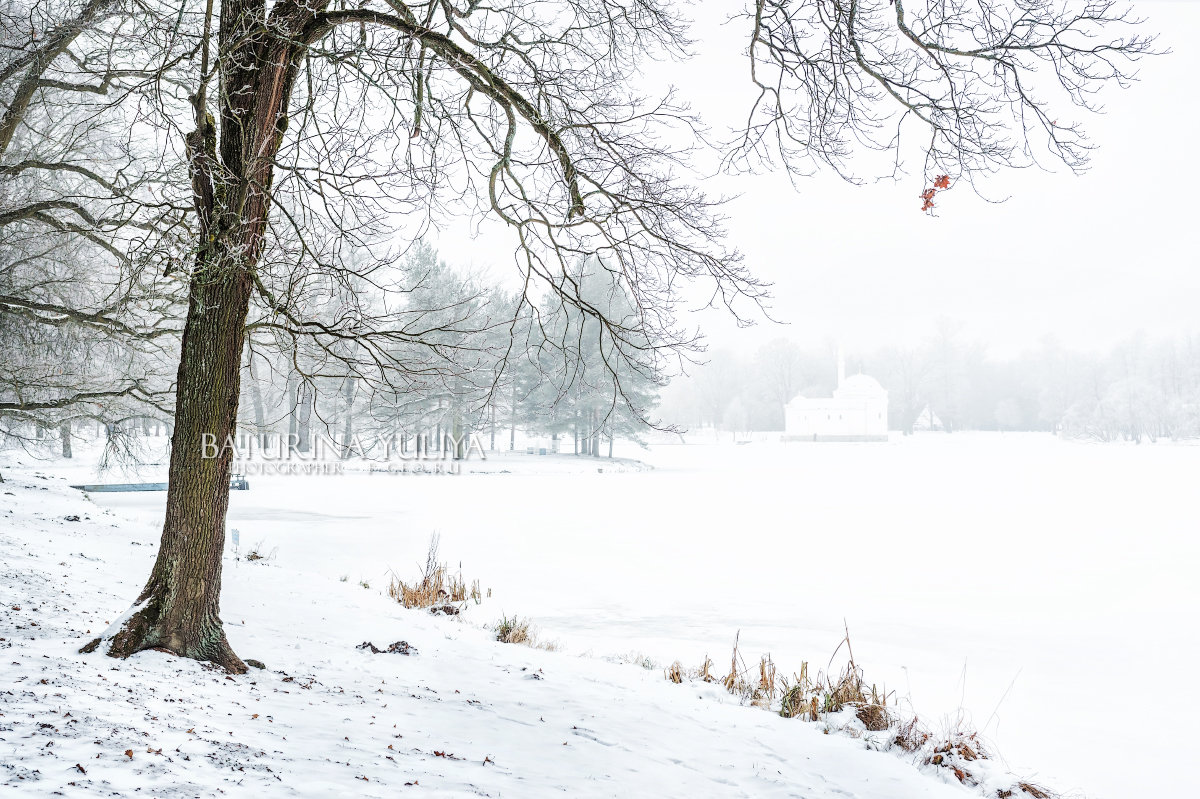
(1089, 260)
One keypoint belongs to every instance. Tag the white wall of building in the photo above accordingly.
(857, 411)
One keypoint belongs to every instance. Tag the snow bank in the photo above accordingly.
(462, 716)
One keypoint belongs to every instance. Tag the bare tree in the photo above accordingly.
(87, 221)
(318, 129)
(977, 86)
(781, 368)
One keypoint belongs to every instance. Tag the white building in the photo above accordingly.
(857, 411)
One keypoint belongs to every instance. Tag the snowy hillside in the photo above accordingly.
(462, 715)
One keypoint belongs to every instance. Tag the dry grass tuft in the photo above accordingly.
(456, 589)
(757, 690)
(513, 631)
(964, 746)
(437, 588)
(796, 698)
(796, 704)
(521, 631)
(875, 718)
(257, 552)
(764, 692)
(956, 753)
(911, 736)
(678, 673)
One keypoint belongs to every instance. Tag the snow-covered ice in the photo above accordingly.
(1039, 587)
(462, 716)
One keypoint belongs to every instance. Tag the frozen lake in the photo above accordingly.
(1047, 590)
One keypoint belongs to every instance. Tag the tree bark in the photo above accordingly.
(178, 610)
(260, 416)
(64, 431)
(231, 173)
(304, 410)
(348, 427)
(457, 433)
(290, 399)
(595, 434)
(437, 437)
(512, 420)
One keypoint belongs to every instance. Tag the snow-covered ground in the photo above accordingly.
(1041, 588)
(458, 715)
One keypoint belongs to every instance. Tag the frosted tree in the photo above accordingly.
(90, 220)
(318, 127)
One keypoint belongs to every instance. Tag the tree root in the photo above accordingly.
(200, 639)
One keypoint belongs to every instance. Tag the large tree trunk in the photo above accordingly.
(290, 400)
(437, 437)
(260, 415)
(303, 412)
(512, 420)
(64, 432)
(457, 434)
(178, 610)
(348, 426)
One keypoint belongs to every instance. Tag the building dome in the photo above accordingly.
(857, 411)
(860, 386)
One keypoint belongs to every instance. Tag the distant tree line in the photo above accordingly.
(552, 373)
(1141, 390)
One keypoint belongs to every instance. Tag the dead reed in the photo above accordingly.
(825, 697)
(436, 588)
